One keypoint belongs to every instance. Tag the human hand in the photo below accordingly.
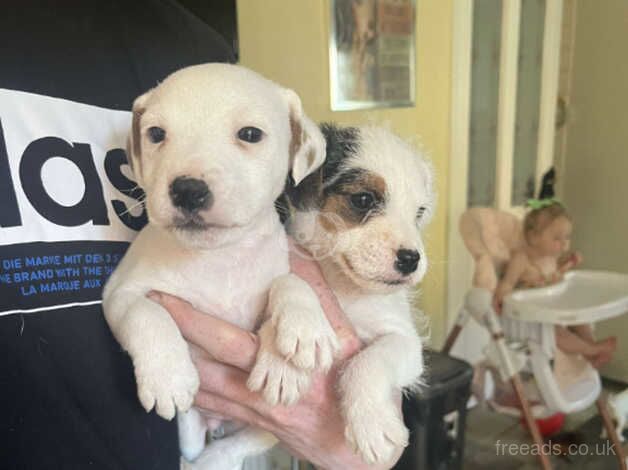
(576, 259)
(572, 260)
(313, 428)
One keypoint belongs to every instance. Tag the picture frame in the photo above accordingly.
(372, 54)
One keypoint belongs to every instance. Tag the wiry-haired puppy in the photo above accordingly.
(361, 215)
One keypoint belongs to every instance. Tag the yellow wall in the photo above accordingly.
(596, 157)
(287, 41)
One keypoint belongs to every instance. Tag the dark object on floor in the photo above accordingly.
(436, 415)
(563, 442)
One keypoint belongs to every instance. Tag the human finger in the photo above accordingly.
(213, 403)
(229, 382)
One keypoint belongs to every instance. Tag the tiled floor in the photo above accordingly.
(489, 435)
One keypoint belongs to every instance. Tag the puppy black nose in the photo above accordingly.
(407, 261)
(190, 194)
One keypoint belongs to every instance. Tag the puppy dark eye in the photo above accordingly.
(156, 134)
(251, 135)
(420, 212)
(362, 201)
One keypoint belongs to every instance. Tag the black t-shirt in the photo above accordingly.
(69, 72)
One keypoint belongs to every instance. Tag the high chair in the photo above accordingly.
(522, 338)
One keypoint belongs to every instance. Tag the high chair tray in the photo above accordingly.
(581, 297)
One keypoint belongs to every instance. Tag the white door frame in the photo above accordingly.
(459, 261)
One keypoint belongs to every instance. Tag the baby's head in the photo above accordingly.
(548, 229)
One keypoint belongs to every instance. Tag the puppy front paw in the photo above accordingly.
(168, 384)
(279, 381)
(306, 338)
(375, 430)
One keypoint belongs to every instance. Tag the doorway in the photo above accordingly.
(506, 60)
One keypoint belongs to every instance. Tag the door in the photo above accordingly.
(506, 65)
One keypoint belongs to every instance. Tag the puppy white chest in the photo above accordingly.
(231, 283)
(375, 315)
(233, 289)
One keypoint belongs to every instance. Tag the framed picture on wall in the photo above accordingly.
(371, 54)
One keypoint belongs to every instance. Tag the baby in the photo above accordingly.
(543, 259)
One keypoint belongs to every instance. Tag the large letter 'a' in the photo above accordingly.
(91, 207)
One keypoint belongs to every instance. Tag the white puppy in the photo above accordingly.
(212, 147)
(361, 215)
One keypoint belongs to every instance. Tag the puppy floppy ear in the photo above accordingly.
(307, 144)
(134, 140)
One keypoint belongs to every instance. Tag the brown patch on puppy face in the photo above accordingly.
(374, 183)
(337, 205)
(344, 196)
